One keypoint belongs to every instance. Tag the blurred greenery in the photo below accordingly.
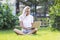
(7, 20)
(42, 34)
(55, 15)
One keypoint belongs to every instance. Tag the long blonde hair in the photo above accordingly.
(23, 15)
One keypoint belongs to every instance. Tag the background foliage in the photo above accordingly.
(55, 15)
(7, 20)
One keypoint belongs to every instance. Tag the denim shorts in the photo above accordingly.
(26, 31)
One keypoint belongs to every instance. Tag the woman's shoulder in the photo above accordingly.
(20, 16)
(31, 16)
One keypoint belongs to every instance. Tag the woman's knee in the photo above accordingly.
(15, 29)
(35, 29)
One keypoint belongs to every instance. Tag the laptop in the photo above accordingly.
(36, 24)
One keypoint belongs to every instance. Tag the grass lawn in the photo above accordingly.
(41, 35)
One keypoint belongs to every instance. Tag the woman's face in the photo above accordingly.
(27, 11)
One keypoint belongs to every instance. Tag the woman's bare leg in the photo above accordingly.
(19, 32)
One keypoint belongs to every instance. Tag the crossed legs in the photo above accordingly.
(19, 32)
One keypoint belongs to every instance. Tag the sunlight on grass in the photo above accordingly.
(41, 35)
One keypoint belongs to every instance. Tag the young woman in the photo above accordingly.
(26, 22)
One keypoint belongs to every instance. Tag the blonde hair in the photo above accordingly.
(27, 7)
(23, 15)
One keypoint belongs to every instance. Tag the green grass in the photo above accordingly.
(41, 35)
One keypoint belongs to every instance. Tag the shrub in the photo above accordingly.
(7, 20)
(55, 15)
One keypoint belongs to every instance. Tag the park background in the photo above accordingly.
(45, 11)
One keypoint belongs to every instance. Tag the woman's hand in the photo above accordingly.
(27, 28)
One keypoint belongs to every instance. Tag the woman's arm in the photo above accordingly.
(21, 25)
(32, 26)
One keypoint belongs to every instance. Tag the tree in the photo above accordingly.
(7, 20)
(36, 3)
(55, 14)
